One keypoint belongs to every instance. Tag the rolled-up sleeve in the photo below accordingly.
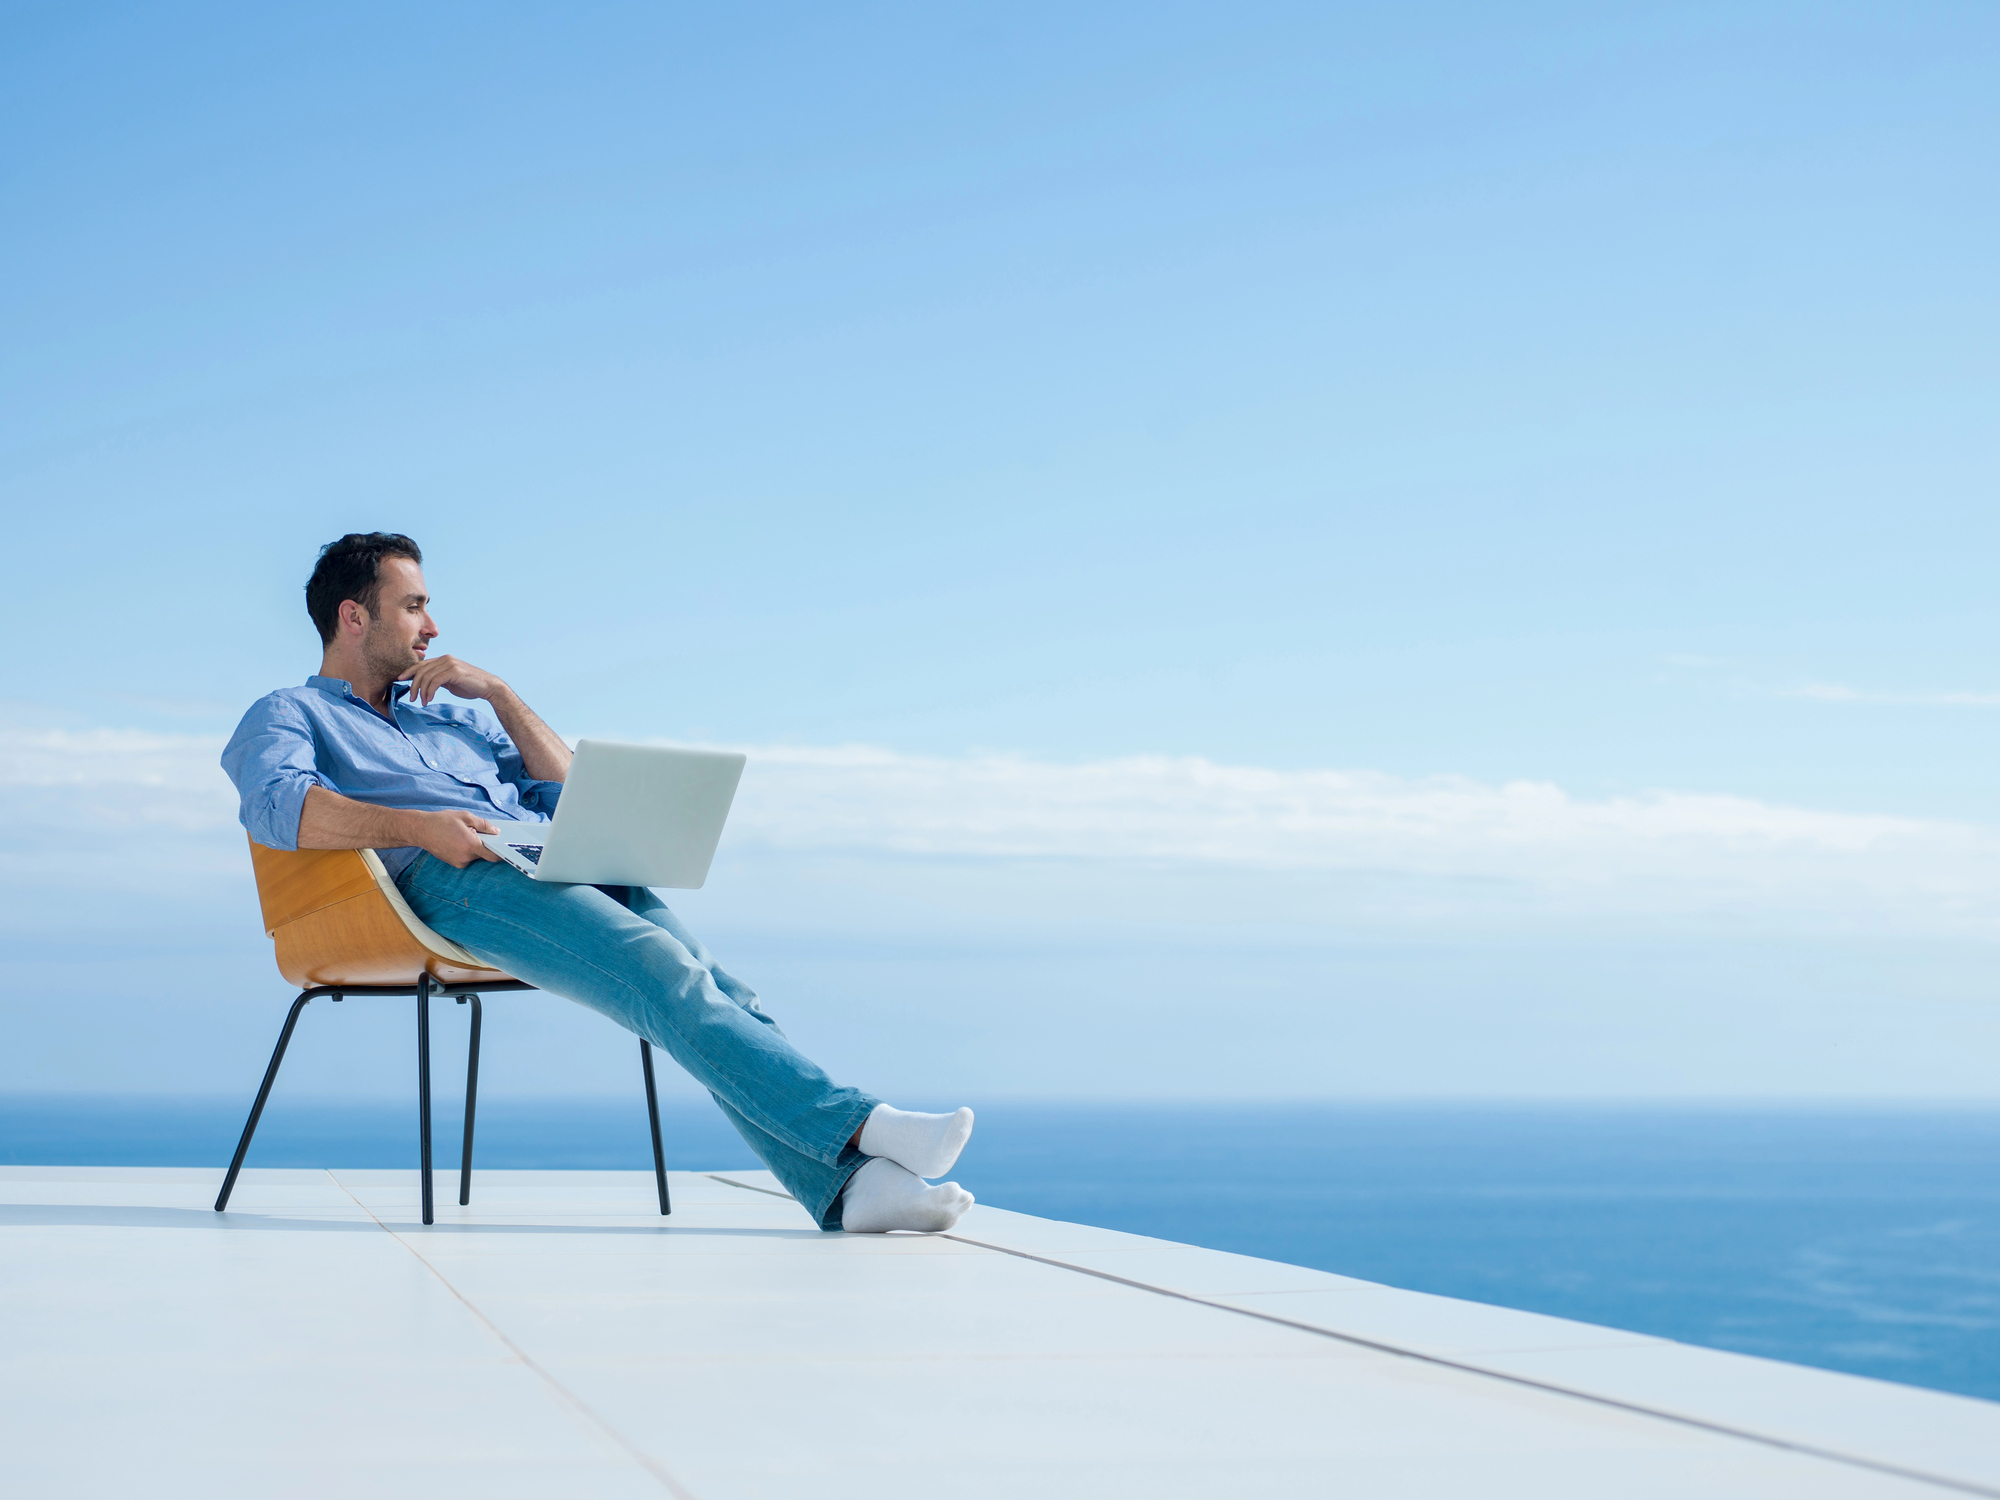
(540, 795)
(271, 760)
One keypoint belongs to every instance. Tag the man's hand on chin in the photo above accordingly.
(543, 756)
(454, 837)
(448, 674)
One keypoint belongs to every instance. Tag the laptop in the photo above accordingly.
(628, 815)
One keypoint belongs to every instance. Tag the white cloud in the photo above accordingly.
(1187, 808)
(119, 777)
(1743, 686)
(1834, 692)
(116, 809)
(98, 802)
(1665, 851)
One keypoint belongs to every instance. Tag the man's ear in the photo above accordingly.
(353, 617)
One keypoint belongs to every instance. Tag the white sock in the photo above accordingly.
(883, 1196)
(924, 1144)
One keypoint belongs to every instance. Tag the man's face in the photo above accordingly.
(400, 628)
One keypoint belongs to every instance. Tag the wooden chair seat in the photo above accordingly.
(337, 918)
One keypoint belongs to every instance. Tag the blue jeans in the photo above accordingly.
(618, 950)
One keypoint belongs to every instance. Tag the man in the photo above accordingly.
(361, 758)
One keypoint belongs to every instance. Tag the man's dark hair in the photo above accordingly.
(347, 570)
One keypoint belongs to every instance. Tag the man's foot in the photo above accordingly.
(924, 1144)
(883, 1196)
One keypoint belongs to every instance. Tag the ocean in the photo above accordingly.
(1865, 1240)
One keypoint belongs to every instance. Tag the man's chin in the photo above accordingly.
(398, 669)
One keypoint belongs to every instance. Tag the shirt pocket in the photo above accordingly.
(457, 755)
(467, 757)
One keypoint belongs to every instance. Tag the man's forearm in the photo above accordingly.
(331, 821)
(543, 754)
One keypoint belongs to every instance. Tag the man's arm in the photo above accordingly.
(543, 754)
(331, 821)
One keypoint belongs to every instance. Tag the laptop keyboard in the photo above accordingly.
(530, 852)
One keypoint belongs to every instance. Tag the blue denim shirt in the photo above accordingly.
(436, 759)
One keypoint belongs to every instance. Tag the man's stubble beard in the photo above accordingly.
(387, 655)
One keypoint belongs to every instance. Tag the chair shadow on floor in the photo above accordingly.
(116, 1216)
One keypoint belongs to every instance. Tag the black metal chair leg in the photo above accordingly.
(471, 1100)
(653, 1115)
(424, 1085)
(264, 1093)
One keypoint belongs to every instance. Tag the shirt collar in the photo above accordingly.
(340, 687)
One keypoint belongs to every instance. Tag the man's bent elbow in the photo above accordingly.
(267, 826)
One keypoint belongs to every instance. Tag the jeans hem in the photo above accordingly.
(829, 1216)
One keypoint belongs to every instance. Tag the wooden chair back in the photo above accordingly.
(336, 918)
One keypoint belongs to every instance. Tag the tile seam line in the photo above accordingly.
(638, 1455)
(1787, 1445)
(1832, 1455)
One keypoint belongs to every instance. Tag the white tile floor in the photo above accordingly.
(559, 1338)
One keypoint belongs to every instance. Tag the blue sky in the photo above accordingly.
(1595, 399)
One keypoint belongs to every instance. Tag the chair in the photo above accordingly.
(341, 928)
